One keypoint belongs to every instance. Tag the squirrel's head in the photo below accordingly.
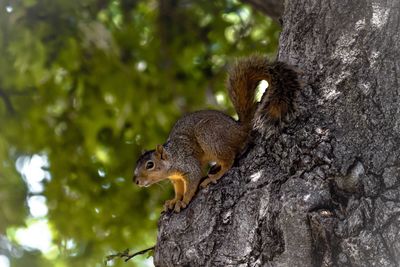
(151, 167)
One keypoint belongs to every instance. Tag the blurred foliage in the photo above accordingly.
(87, 84)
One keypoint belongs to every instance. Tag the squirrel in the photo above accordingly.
(202, 137)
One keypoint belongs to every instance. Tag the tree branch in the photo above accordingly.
(125, 254)
(7, 102)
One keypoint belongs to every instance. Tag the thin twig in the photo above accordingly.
(139, 253)
(125, 254)
(7, 102)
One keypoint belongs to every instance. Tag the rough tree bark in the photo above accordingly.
(326, 191)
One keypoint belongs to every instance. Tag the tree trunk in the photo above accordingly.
(326, 191)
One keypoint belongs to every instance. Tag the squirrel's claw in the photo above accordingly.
(169, 204)
(174, 204)
(179, 205)
(210, 179)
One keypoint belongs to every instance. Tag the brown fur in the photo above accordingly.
(211, 136)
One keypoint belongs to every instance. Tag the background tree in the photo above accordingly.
(325, 192)
(84, 87)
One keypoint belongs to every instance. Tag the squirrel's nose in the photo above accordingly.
(135, 177)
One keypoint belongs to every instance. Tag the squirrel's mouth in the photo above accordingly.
(144, 183)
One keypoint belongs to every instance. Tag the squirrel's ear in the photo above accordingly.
(160, 152)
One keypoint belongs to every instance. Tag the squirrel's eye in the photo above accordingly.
(149, 165)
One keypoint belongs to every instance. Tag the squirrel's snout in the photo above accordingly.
(135, 178)
(143, 182)
(138, 181)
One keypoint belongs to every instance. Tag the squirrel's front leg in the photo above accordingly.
(179, 189)
(190, 181)
(190, 192)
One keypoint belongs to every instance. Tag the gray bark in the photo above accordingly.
(326, 191)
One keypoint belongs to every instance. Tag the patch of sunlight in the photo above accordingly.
(240, 16)
(37, 206)
(70, 244)
(139, 261)
(9, 9)
(120, 180)
(60, 75)
(379, 15)
(141, 66)
(37, 235)
(109, 98)
(4, 261)
(231, 18)
(221, 98)
(230, 34)
(116, 16)
(149, 262)
(205, 20)
(101, 155)
(262, 86)
(255, 176)
(138, 138)
(244, 13)
(33, 171)
(217, 61)
(101, 173)
(102, 16)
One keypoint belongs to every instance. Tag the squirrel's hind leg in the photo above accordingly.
(225, 165)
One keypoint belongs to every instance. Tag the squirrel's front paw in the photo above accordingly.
(169, 204)
(179, 205)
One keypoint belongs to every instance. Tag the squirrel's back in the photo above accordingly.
(190, 122)
(213, 130)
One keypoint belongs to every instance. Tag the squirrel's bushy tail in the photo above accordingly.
(277, 101)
